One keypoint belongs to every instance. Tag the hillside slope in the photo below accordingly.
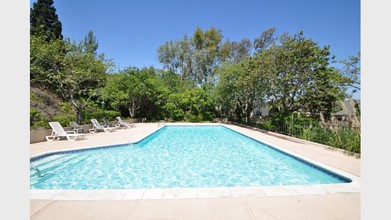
(44, 106)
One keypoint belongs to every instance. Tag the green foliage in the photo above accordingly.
(94, 110)
(309, 129)
(194, 58)
(34, 97)
(90, 44)
(242, 87)
(46, 61)
(37, 120)
(266, 125)
(100, 115)
(83, 76)
(266, 40)
(142, 92)
(67, 108)
(301, 78)
(236, 51)
(64, 120)
(44, 21)
(352, 71)
(68, 69)
(345, 138)
(193, 104)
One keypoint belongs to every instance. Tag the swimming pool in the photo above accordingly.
(179, 156)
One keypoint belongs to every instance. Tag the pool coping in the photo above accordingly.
(192, 193)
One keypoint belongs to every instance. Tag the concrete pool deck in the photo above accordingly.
(328, 201)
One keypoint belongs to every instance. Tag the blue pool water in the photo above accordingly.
(178, 156)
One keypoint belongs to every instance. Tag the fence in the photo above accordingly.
(340, 135)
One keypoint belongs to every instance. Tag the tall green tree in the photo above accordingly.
(266, 40)
(82, 77)
(352, 71)
(168, 54)
(195, 57)
(243, 87)
(44, 21)
(302, 75)
(46, 60)
(90, 43)
(207, 55)
(139, 91)
(47, 48)
(177, 57)
(236, 51)
(323, 93)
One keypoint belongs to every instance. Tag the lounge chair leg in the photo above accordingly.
(71, 138)
(50, 138)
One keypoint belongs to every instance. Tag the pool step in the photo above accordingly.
(51, 161)
(55, 164)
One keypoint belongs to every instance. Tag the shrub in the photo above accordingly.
(99, 115)
(64, 120)
(37, 120)
(266, 125)
(343, 137)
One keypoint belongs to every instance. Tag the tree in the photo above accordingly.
(140, 91)
(192, 104)
(44, 21)
(206, 55)
(46, 60)
(243, 86)
(82, 77)
(302, 79)
(266, 40)
(323, 93)
(90, 43)
(194, 58)
(236, 51)
(168, 54)
(177, 57)
(352, 71)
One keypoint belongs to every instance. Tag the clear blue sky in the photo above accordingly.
(129, 32)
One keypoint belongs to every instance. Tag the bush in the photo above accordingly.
(343, 138)
(64, 120)
(100, 115)
(37, 120)
(346, 138)
(207, 116)
(266, 125)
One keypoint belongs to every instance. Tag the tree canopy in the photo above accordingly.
(44, 21)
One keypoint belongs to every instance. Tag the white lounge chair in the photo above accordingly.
(98, 127)
(76, 127)
(123, 123)
(58, 132)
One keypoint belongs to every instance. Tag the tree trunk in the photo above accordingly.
(131, 112)
(79, 116)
